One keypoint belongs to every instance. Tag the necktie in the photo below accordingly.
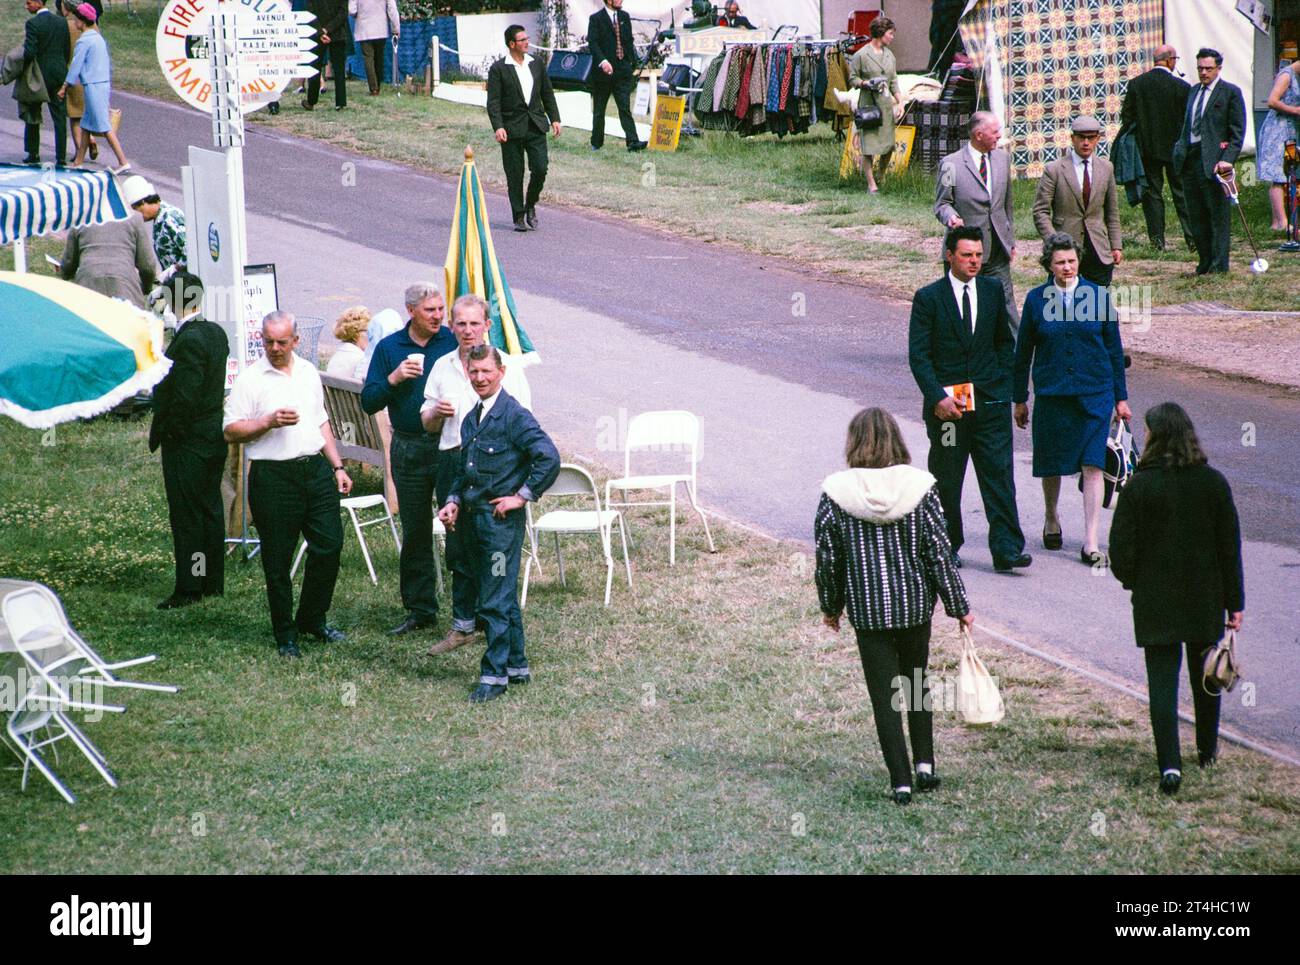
(478, 413)
(965, 308)
(1200, 108)
(1087, 183)
(984, 172)
(618, 39)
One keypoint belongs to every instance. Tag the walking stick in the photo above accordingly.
(1259, 265)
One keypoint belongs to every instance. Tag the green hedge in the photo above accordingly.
(428, 9)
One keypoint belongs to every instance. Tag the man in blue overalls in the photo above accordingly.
(506, 461)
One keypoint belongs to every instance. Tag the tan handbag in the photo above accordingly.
(114, 118)
(1221, 669)
(978, 700)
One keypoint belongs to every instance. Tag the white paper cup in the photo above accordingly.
(418, 359)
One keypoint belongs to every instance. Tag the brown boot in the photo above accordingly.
(450, 642)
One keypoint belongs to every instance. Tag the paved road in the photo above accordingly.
(774, 358)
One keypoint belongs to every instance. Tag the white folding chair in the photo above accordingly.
(671, 430)
(577, 482)
(354, 505)
(56, 666)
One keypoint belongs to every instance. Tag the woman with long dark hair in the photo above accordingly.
(883, 551)
(1176, 544)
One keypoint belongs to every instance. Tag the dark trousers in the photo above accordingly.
(494, 545)
(1153, 201)
(984, 438)
(1162, 685)
(621, 85)
(513, 152)
(415, 461)
(893, 661)
(998, 265)
(460, 560)
(336, 54)
(373, 52)
(1209, 212)
(297, 497)
(194, 507)
(1092, 268)
(32, 133)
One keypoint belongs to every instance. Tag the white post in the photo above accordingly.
(20, 255)
(435, 52)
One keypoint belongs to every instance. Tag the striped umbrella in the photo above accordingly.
(472, 267)
(39, 202)
(71, 353)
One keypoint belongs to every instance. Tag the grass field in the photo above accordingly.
(704, 723)
(776, 197)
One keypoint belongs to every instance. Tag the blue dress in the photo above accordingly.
(92, 69)
(1276, 130)
(1073, 344)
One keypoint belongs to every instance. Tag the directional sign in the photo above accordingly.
(275, 43)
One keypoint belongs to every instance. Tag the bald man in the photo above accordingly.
(1155, 103)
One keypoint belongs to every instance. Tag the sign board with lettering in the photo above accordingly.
(275, 46)
(260, 299)
(667, 127)
(710, 40)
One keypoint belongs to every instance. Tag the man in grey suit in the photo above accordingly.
(974, 189)
(1214, 126)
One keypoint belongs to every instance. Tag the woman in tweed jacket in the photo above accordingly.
(883, 551)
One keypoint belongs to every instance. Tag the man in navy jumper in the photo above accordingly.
(395, 381)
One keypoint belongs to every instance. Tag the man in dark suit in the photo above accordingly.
(1154, 106)
(961, 351)
(45, 41)
(506, 462)
(333, 44)
(1214, 126)
(613, 59)
(187, 414)
(520, 101)
(733, 19)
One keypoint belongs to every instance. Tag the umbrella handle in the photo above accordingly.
(1229, 186)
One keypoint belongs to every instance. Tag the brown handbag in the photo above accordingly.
(1221, 669)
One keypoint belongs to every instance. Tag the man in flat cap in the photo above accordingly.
(1077, 194)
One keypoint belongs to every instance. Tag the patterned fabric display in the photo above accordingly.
(1062, 58)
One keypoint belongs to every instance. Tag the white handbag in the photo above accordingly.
(978, 700)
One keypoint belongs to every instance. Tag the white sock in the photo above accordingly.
(904, 788)
(1171, 770)
(925, 768)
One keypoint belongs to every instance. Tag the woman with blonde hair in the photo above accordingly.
(883, 553)
(350, 329)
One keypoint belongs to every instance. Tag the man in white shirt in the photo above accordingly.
(276, 410)
(449, 398)
(520, 102)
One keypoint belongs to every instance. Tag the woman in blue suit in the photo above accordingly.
(1069, 334)
(93, 70)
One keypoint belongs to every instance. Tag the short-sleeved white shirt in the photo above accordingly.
(261, 389)
(447, 380)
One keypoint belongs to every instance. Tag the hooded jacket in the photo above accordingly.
(883, 550)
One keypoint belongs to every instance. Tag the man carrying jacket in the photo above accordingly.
(45, 42)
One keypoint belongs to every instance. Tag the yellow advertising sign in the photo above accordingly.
(904, 139)
(667, 127)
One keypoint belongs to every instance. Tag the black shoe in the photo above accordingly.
(521, 224)
(1012, 562)
(410, 623)
(902, 796)
(1206, 760)
(637, 146)
(530, 216)
(1052, 541)
(485, 692)
(1094, 557)
(290, 649)
(926, 782)
(596, 147)
(178, 600)
(340, 107)
(326, 634)
(521, 680)
(32, 161)
(307, 105)
(956, 560)
(1170, 783)
(273, 108)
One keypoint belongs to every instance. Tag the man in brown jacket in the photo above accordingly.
(1077, 195)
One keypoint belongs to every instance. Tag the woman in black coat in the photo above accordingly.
(1176, 544)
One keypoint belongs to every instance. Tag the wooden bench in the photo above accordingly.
(358, 434)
